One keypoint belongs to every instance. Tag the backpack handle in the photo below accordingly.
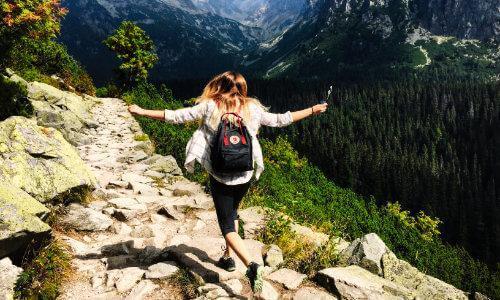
(230, 113)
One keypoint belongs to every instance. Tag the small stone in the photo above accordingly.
(118, 248)
(141, 290)
(233, 286)
(108, 211)
(199, 225)
(143, 189)
(129, 203)
(117, 183)
(157, 218)
(182, 192)
(171, 212)
(289, 278)
(125, 214)
(83, 218)
(138, 156)
(268, 292)
(119, 262)
(316, 238)
(128, 278)
(121, 228)
(133, 177)
(273, 256)
(154, 174)
(161, 270)
(97, 281)
(308, 293)
(142, 232)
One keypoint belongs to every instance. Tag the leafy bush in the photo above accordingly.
(35, 60)
(13, 100)
(109, 90)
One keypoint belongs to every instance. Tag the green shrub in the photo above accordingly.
(109, 90)
(13, 100)
(37, 60)
(43, 274)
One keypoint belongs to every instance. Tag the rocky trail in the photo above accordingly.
(143, 231)
(147, 222)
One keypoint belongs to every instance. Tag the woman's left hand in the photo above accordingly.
(319, 108)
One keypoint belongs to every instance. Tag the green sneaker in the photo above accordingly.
(255, 275)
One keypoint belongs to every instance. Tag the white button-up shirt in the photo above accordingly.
(198, 147)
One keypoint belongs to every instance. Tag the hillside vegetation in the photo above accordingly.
(293, 185)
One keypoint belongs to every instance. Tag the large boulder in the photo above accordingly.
(66, 111)
(424, 286)
(19, 219)
(8, 278)
(353, 282)
(39, 160)
(367, 252)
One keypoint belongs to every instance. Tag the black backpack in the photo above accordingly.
(231, 149)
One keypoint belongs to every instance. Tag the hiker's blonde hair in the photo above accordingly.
(227, 89)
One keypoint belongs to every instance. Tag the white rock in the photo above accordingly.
(128, 203)
(367, 252)
(133, 177)
(142, 290)
(162, 270)
(268, 292)
(273, 256)
(8, 277)
(121, 228)
(83, 218)
(128, 278)
(233, 286)
(289, 278)
(310, 293)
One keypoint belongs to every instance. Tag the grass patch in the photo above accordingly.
(141, 137)
(299, 254)
(186, 282)
(45, 268)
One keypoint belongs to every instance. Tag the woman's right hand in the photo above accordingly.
(135, 109)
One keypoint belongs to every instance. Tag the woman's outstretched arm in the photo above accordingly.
(313, 110)
(153, 114)
(177, 116)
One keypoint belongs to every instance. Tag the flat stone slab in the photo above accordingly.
(289, 278)
(162, 270)
(354, 282)
(310, 293)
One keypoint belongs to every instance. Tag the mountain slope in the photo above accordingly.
(189, 41)
(353, 37)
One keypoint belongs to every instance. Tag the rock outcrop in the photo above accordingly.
(39, 160)
(20, 219)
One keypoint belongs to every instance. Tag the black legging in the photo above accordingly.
(227, 198)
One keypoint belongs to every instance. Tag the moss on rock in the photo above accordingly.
(39, 160)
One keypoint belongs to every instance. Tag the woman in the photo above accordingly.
(227, 92)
